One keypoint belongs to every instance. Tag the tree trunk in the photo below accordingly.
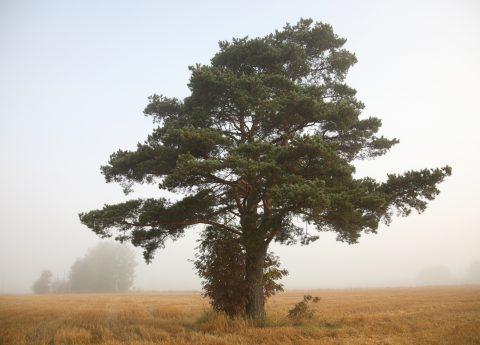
(255, 303)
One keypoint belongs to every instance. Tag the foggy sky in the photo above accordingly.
(75, 77)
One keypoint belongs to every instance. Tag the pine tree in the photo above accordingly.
(269, 135)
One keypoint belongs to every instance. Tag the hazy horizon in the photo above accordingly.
(76, 77)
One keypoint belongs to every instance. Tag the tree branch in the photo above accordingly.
(270, 237)
(187, 223)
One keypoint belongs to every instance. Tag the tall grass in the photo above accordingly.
(382, 316)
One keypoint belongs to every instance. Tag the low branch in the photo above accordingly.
(191, 222)
(222, 226)
(270, 237)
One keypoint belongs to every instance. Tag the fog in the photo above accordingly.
(75, 77)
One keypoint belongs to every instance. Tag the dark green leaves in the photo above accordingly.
(149, 223)
(220, 262)
(413, 189)
(268, 136)
(161, 108)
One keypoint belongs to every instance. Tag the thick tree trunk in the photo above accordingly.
(254, 263)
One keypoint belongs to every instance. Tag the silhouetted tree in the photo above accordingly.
(435, 275)
(220, 261)
(60, 286)
(473, 274)
(43, 284)
(269, 134)
(108, 267)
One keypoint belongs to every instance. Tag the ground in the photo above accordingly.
(444, 315)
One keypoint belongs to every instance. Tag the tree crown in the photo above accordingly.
(268, 135)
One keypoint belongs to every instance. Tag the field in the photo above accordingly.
(373, 316)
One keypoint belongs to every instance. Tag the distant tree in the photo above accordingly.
(43, 284)
(60, 286)
(435, 275)
(220, 262)
(473, 273)
(108, 267)
(269, 136)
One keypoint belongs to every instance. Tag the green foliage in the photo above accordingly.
(43, 284)
(304, 309)
(268, 136)
(220, 262)
(108, 267)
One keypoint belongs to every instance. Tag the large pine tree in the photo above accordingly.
(268, 136)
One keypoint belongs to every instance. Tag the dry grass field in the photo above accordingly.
(374, 316)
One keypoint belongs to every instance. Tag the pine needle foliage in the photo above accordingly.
(269, 135)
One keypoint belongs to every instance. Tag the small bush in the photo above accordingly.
(220, 262)
(304, 309)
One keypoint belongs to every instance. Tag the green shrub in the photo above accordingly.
(304, 309)
(220, 262)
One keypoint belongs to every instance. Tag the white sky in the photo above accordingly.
(75, 77)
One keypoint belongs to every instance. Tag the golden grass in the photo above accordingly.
(444, 316)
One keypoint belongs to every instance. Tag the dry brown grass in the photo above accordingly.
(444, 316)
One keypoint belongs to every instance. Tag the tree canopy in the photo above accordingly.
(108, 267)
(43, 284)
(268, 135)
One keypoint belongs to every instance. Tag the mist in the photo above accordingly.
(75, 80)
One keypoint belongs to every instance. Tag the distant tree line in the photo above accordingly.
(108, 267)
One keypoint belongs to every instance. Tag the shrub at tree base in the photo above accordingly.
(221, 263)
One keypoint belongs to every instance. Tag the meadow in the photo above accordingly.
(443, 315)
